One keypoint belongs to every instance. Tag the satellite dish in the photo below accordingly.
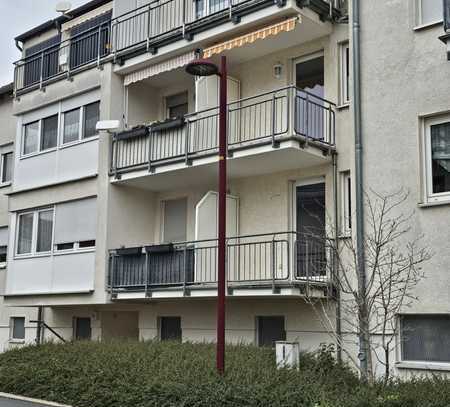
(63, 7)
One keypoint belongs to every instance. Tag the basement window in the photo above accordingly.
(425, 338)
(82, 329)
(270, 329)
(17, 329)
(170, 328)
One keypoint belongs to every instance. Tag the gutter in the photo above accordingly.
(359, 177)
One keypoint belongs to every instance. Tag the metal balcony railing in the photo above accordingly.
(64, 58)
(267, 118)
(275, 259)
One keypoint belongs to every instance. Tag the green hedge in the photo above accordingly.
(129, 374)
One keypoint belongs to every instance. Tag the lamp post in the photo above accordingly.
(203, 67)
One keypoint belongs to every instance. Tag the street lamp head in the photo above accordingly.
(202, 67)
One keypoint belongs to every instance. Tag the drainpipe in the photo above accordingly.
(335, 265)
(18, 46)
(363, 351)
(39, 327)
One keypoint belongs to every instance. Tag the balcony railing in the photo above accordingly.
(274, 260)
(64, 58)
(143, 29)
(269, 118)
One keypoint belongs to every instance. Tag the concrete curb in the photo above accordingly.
(30, 400)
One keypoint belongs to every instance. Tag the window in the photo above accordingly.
(174, 226)
(425, 338)
(64, 246)
(177, 105)
(7, 163)
(3, 254)
(25, 235)
(429, 11)
(86, 244)
(49, 132)
(17, 327)
(344, 73)
(91, 117)
(170, 328)
(346, 206)
(270, 330)
(31, 138)
(82, 329)
(45, 231)
(35, 232)
(71, 126)
(437, 160)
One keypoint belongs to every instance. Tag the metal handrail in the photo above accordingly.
(262, 118)
(252, 259)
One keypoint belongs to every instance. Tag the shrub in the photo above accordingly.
(166, 374)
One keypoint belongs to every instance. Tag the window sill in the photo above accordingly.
(343, 106)
(31, 256)
(50, 254)
(424, 366)
(427, 25)
(38, 153)
(433, 204)
(5, 184)
(17, 341)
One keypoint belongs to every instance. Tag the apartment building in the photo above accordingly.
(114, 234)
(16, 327)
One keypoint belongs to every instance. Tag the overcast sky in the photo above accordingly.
(16, 17)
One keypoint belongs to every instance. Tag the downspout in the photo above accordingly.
(18, 46)
(356, 56)
(335, 265)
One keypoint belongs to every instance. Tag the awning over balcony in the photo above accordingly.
(168, 65)
(249, 38)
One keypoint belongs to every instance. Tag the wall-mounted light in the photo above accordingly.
(278, 70)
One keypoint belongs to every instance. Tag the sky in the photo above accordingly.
(16, 17)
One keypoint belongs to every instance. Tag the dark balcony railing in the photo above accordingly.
(264, 119)
(264, 259)
(61, 59)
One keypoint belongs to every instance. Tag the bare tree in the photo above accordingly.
(394, 260)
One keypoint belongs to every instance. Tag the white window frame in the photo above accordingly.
(419, 19)
(34, 252)
(346, 196)
(60, 134)
(430, 196)
(415, 364)
(4, 263)
(344, 74)
(3, 153)
(11, 329)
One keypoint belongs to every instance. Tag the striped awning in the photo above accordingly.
(261, 34)
(168, 65)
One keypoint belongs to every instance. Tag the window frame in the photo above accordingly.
(163, 217)
(12, 320)
(41, 133)
(169, 106)
(346, 204)
(344, 73)
(401, 362)
(60, 130)
(4, 182)
(419, 23)
(429, 196)
(34, 233)
(3, 264)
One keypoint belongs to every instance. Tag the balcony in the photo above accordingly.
(144, 30)
(164, 21)
(64, 59)
(257, 265)
(298, 125)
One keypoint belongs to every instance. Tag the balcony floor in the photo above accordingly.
(256, 160)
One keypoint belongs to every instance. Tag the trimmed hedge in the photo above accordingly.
(163, 374)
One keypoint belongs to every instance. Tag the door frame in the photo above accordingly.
(305, 58)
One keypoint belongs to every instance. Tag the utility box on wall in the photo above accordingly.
(287, 354)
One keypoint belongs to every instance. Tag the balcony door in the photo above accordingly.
(309, 107)
(310, 224)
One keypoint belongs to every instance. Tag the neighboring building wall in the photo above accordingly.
(8, 129)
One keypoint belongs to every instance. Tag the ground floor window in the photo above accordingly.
(425, 338)
(17, 327)
(170, 328)
(82, 329)
(269, 330)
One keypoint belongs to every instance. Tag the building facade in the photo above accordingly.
(114, 234)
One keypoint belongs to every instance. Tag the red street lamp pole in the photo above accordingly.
(201, 67)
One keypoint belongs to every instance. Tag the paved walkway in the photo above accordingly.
(9, 402)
